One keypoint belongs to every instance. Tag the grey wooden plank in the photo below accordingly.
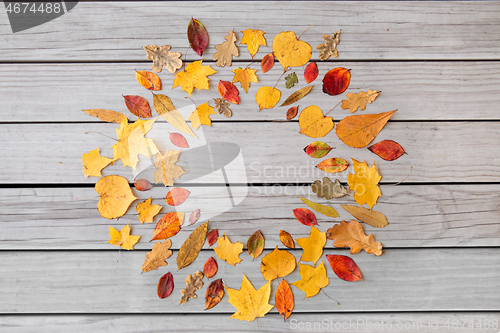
(419, 216)
(425, 322)
(388, 30)
(399, 280)
(421, 90)
(270, 152)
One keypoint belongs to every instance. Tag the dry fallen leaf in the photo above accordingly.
(278, 263)
(165, 286)
(314, 123)
(329, 48)
(255, 244)
(312, 245)
(326, 188)
(107, 115)
(290, 51)
(267, 97)
(305, 216)
(169, 225)
(116, 196)
(250, 303)
(148, 80)
(166, 109)
(194, 217)
(359, 100)
(226, 51)
(166, 170)
(194, 76)
(292, 112)
(138, 106)
(147, 211)
(201, 116)
(214, 294)
(212, 237)
(323, 209)
(161, 57)
(245, 77)
(176, 196)
(223, 107)
(317, 149)
(370, 217)
(296, 96)
(364, 183)
(254, 39)
(142, 185)
(192, 246)
(352, 235)
(336, 81)
(229, 92)
(228, 251)
(197, 36)
(284, 299)
(123, 238)
(93, 163)
(287, 239)
(291, 79)
(311, 72)
(210, 268)
(158, 256)
(332, 165)
(344, 267)
(267, 62)
(312, 279)
(193, 283)
(178, 140)
(387, 150)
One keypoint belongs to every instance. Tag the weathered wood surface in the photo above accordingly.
(423, 322)
(399, 280)
(115, 31)
(421, 90)
(419, 216)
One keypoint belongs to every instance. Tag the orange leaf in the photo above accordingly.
(305, 216)
(312, 279)
(229, 92)
(292, 112)
(284, 299)
(359, 130)
(245, 77)
(148, 80)
(142, 185)
(210, 268)
(107, 115)
(147, 211)
(158, 256)
(352, 235)
(314, 123)
(311, 72)
(179, 140)
(287, 239)
(168, 226)
(332, 165)
(214, 294)
(277, 263)
(267, 62)
(177, 196)
(388, 150)
(138, 106)
(336, 81)
(312, 245)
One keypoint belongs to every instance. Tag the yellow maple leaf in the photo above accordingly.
(359, 100)
(93, 163)
(228, 251)
(267, 97)
(116, 196)
(277, 263)
(123, 238)
(313, 279)
(194, 76)
(226, 50)
(131, 142)
(250, 303)
(352, 235)
(364, 183)
(254, 39)
(166, 170)
(245, 77)
(200, 116)
(147, 211)
(312, 245)
(156, 258)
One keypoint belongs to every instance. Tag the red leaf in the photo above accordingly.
(214, 294)
(388, 150)
(142, 185)
(194, 217)
(229, 92)
(336, 81)
(344, 267)
(178, 140)
(138, 106)
(284, 299)
(311, 72)
(210, 268)
(332, 165)
(197, 36)
(292, 112)
(177, 196)
(168, 226)
(305, 216)
(267, 62)
(317, 149)
(165, 285)
(212, 237)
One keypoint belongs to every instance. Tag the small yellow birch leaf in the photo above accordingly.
(93, 163)
(312, 245)
(267, 97)
(277, 263)
(290, 51)
(323, 209)
(250, 303)
(313, 279)
(254, 39)
(116, 196)
(245, 77)
(200, 116)
(228, 251)
(364, 183)
(147, 211)
(313, 123)
(166, 170)
(165, 108)
(194, 76)
(359, 100)
(226, 51)
(123, 238)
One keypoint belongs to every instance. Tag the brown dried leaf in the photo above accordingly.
(326, 188)
(160, 57)
(359, 100)
(158, 255)
(352, 235)
(296, 96)
(223, 107)
(193, 283)
(106, 115)
(226, 50)
(370, 217)
(329, 48)
(192, 246)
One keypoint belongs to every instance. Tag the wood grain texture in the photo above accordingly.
(116, 31)
(421, 90)
(399, 280)
(419, 216)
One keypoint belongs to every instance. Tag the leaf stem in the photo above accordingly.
(284, 72)
(305, 31)
(333, 107)
(100, 134)
(330, 297)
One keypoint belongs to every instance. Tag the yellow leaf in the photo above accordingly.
(277, 263)
(156, 258)
(352, 235)
(192, 246)
(166, 170)
(313, 279)
(323, 209)
(254, 39)
(267, 97)
(200, 116)
(131, 142)
(165, 108)
(313, 123)
(250, 303)
(194, 76)
(116, 196)
(226, 50)
(359, 100)
(245, 76)
(228, 251)
(312, 245)
(123, 238)
(370, 217)
(106, 115)
(160, 57)
(364, 183)
(147, 211)
(290, 51)
(93, 163)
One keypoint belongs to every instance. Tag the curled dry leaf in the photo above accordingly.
(245, 77)
(148, 80)
(352, 235)
(314, 123)
(165, 286)
(226, 51)
(168, 226)
(194, 217)
(296, 96)
(166, 109)
(332, 165)
(388, 150)
(161, 57)
(254, 39)
(326, 188)
(359, 100)
(305, 216)
(292, 112)
(177, 196)
(123, 238)
(336, 81)
(158, 256)
(255, 244)
(267, 62)
(291, 79)
(312, 279)
(284, 299)
(194, 76)
(359, 130)
(166, 170)
(317, 149)
(201, 116)
(192, 246)
(277, 263)
(197, 36)
(179, 140)
(210, 268)
(344, 267)
(311, 72)
(287, 239)
(290, 51)
(323, 209)
(214, 294)
(228, 251)
(364, 183)
(250, 303)
(212, 237)
(93, 163)
(329, 48)
(193, 283)
(229, 92)
(370, 217)
(312, 245)
(142, 185)
(267, 97)
(147, 211)
(107, 115)
(223, 107)
(116, 196)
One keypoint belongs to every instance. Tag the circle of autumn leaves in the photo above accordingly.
(355, 131)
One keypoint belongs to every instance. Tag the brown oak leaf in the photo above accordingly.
(160, 57)
(156, 258)
(330, 47)
(193, 283)
(327, 188)
(223, 107)
(226, 50)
